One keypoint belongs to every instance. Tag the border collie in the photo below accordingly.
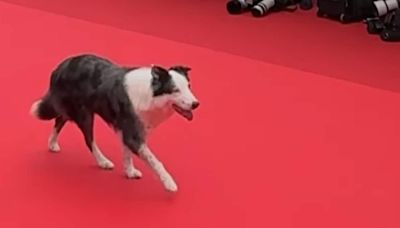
(131, 100)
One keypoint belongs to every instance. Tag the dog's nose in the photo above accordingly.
(195, 104)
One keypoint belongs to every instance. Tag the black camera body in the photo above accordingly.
(388, 27)
(238, 6)
(260, 8)
(265, 6)
(390, 35)
(392, 28)
(375, 25)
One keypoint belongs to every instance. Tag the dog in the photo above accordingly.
(131, 100)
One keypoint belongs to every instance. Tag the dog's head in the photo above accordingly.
(172, 88)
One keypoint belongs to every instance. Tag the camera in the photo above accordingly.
(388, 27)
(383, 7)
(264, 6)
(375, 25)
(260, 8)
(390, 35)
(237, 6)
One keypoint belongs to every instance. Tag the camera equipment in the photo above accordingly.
(345, 11)
(392, 29)
(306, 4)
(375, 25)
(390, 35)
(264, 6)
(260, 8)
(388, 27)
(237, 6)
(383, 7)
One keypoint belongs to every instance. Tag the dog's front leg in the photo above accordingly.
(134, 139)
(128, 147)
(130, 171)
(168, 182)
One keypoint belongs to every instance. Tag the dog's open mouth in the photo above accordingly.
(188, 114)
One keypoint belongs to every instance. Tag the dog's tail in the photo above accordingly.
(43, 109)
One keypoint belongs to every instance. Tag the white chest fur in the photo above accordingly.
(152, 111)
(154, 117)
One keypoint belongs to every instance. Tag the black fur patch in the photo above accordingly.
(161, 82)
(184, 70)
(85, 85)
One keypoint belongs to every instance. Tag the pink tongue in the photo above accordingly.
(185, 113)
(188, 115)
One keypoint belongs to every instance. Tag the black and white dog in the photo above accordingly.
(131, 100)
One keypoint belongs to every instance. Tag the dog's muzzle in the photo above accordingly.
(186, 113)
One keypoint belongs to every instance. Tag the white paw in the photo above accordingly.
(54, 147)
(170, 184)
(133, 173)
(105, 164)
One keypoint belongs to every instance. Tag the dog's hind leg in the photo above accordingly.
(53, 139)
(85, 124)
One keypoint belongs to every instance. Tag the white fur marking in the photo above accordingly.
(35, 108)
(158, 167)
(138, 87)
(53, 141)
(185, 97)
(101, 160)
(130, 171)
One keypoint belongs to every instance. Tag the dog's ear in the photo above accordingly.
(161, 80)
(160, 74)
(181, 69)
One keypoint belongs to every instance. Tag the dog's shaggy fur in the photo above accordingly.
(132, 100)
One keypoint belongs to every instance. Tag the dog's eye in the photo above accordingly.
(176, 90)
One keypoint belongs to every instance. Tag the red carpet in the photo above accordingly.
(270, 146)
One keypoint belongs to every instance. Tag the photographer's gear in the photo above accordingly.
(383, 7)
(390, 35)
(306, 4)
(237, 6)
(387, 27)
(265, 6)
(375, 25)
(261, 7)
(345, 10)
